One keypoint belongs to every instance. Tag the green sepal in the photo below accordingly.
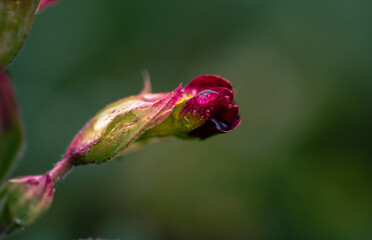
(174, 126)
(119, 125)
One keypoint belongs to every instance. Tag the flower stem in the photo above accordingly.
(60, 169)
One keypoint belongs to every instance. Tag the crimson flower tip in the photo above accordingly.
(223, 122)
(45, 4)
(212, 106)
(203, 82)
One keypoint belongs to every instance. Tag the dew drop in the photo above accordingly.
(228, 99)
(206, 96)
(208, 112)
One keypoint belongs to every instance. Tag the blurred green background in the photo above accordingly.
(298, 167)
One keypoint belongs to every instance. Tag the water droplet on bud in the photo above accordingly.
(228, 99)
(208, 112)
(205, 97)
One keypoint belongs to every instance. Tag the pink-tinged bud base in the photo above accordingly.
(36, 186)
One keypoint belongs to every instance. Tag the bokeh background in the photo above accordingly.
(298, 167)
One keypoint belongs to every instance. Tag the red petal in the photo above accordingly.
(221, 123)
(206, 82)
(207, 103)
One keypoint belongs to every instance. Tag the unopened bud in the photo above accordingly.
(10, 125)
(203, 108)
(23, 200)
(119, 124)
(16, 18)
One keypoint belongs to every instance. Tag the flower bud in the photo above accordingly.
(119, 124)
(212, 107)
(205, 107)
(10, 126)
(16, 18)
(23, 200)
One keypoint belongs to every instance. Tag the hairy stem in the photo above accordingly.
(60, 169)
